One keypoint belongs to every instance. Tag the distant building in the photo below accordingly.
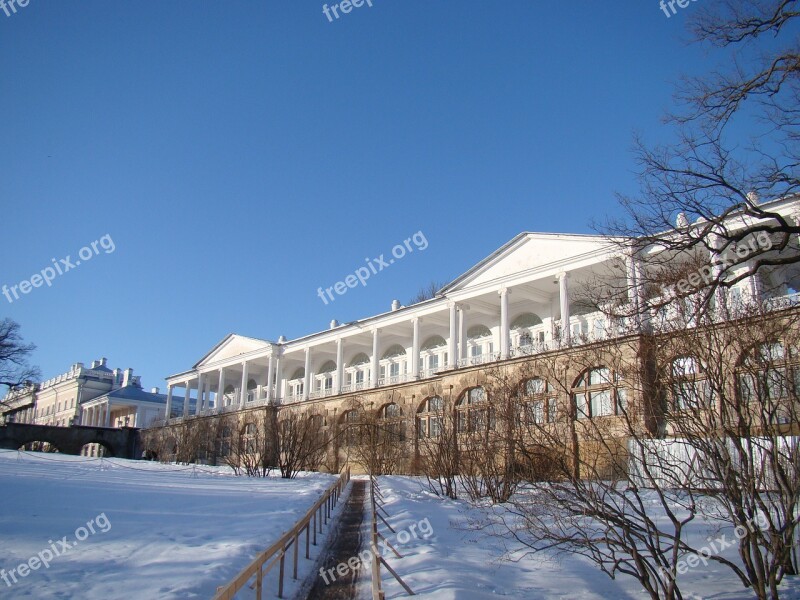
(95, 396)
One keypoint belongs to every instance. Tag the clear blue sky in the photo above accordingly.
(243, 153)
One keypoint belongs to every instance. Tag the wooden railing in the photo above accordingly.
(375, 498)
(311, 523)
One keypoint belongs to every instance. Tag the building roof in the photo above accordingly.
(132, 392)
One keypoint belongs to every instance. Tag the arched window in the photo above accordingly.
(359, 359)
(688, 383)
(479, 344)
(225, 441)
(472, 412)
(433, 354)
(325, 377)
(526, 320)
(429, 417)
(390, 411)
(297, 383)
(351, 423)
(391, 417)
(477, 332)
(357, 372)
(393, 364)
(768, 377)
(394, 351)
(433, 342)
(328, 367)
(597, 393)
(251, 389)
(249, 436)
(540, 401)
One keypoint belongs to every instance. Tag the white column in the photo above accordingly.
(198, 405)
(270, 376)
(186, 400)
(202, 393)
(339, 365)
(168, 407)
(720, 293)
(221, 389)
(373, 380)
(138, 418)
(307, 376)
(563, 293)
(462, 331)
(415, 348)
(107, 415)
(452, 348)
(243, 396)
(630, 270)
(755, 286)
(641, 303)
(504, 331)
(279, 383)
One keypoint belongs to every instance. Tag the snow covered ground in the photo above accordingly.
(160, 531)
(458, 562)
(151, 531)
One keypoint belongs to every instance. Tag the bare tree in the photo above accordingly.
(437, 452)
(250, 447)
(15, 372)
(301, 442)
(427, 292)
(706, 185)
(731, 403)
(487, 419)
(377, 440)
(601, 501)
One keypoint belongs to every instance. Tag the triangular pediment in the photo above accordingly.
(529, 252)
(230, 347)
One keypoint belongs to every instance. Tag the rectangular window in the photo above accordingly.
(601, 403)
(551, 410)
(538, 411)
(359, 376)
(435, 426)
(477, 350)
(433, 361)
(462, 421)
(582, 408)
(622, 399)
(394, 370)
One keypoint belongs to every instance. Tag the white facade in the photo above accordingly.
(518, 301)
(95, 396)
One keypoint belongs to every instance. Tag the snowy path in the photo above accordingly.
(346, 544)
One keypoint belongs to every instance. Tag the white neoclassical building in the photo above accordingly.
(517, 301)
(95, 395)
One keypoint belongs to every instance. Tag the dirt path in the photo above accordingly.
(346, 544)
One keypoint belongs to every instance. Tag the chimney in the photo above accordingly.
(395, 305)
(752, 197)
(95, 364)
(103, 362)
(282, 339)
(127, 377)
(334, 324)
(154, 390)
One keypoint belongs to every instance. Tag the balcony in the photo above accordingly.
(354, 387)
(480, 359)
(393, 379)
